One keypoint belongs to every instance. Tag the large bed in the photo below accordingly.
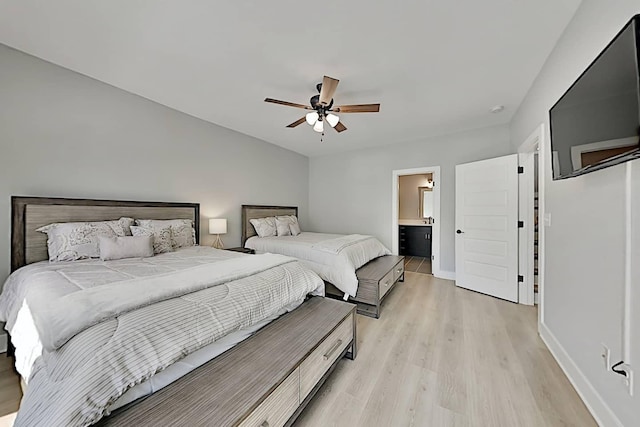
(344, 262)
(94, 336)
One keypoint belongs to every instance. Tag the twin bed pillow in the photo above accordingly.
(112, 248)
(168, 235)
(73, 241)
(286, 225)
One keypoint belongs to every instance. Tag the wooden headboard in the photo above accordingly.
(29, 213)
(257, 211)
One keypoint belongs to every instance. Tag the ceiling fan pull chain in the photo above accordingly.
(322, 137)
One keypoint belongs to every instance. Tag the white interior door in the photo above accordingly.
(487, 227)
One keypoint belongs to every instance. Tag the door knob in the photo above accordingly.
(459, 231)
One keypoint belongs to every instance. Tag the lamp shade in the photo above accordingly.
(312, 118)
(217, 226)
(319, 126)
(332, 119)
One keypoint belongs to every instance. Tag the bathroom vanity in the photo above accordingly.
(415, 238)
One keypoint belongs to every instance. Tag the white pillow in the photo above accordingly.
(295, 228)
(265, 227)
(125, 247)
(182, 232)
(70, 241)
(161, 237)
(282, 226)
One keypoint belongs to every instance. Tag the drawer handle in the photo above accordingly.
(399, 270)
(332, 350)
(265, 423)
(386, 283)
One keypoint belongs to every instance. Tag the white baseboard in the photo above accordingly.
(449, 275)
(3, 342)
(600, 411)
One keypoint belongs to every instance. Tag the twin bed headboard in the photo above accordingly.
(257, 211)
(29, 213)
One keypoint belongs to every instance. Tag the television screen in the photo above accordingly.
(596, 123)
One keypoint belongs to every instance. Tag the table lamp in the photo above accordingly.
(218, 226)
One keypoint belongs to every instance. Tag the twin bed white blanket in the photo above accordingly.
(335, 257)
(107, 326)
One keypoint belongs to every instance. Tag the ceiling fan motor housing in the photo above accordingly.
(315, 103)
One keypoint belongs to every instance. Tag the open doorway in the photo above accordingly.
(416, 218)
(531, 214)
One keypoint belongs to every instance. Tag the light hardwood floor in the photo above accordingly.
(438, 356)
(444, 356)
(417, 264)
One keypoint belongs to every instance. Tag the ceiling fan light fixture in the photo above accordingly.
(332, 119)
(319, 126)
(312, 118)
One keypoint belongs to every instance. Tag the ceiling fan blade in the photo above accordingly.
(329, 86)
(287, 104)
(297, 122)
(358, 108)
(340, 127)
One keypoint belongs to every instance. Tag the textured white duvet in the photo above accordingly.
(335, 257)
(135, 331)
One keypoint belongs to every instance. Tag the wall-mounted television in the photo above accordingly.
(596, 123)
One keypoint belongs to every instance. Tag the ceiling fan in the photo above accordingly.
(322, 109)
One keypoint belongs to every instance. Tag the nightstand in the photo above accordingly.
(243, 250)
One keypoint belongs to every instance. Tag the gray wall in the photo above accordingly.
(63, 134)
(585, 246)
(351, 192)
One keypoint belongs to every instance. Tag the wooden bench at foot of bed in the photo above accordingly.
(266, 380)
(375, 279)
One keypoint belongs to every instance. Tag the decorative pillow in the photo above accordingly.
(182, 232)
(292, 220)
(282, 226)
(265, 227)
(125, 247)
(161, 237)
(70, 241)
(295, 228)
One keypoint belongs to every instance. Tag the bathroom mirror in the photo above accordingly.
(426, 202)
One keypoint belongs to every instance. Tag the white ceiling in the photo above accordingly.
(435, 66)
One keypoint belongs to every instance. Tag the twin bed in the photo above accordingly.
(95, 337)
(92, 337)
(354, 267)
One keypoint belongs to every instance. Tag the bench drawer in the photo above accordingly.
(321, 359)
(386, 283)
(278, 407)
(398, 271)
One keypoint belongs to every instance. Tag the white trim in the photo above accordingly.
(448, 275)
(627, 296)
(3, 342)
(600, 411)
(539, 138)
(532, 145)
(435, 227)
(577, 150)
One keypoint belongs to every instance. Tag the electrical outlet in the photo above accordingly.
(605, 354)
(626, 372)
(629, 380)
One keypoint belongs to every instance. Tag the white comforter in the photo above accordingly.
(335, 257)
(91, 357)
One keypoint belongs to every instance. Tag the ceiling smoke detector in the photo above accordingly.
(497, 109)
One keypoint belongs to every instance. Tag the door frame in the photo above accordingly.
(526, 152)
(435, 227)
